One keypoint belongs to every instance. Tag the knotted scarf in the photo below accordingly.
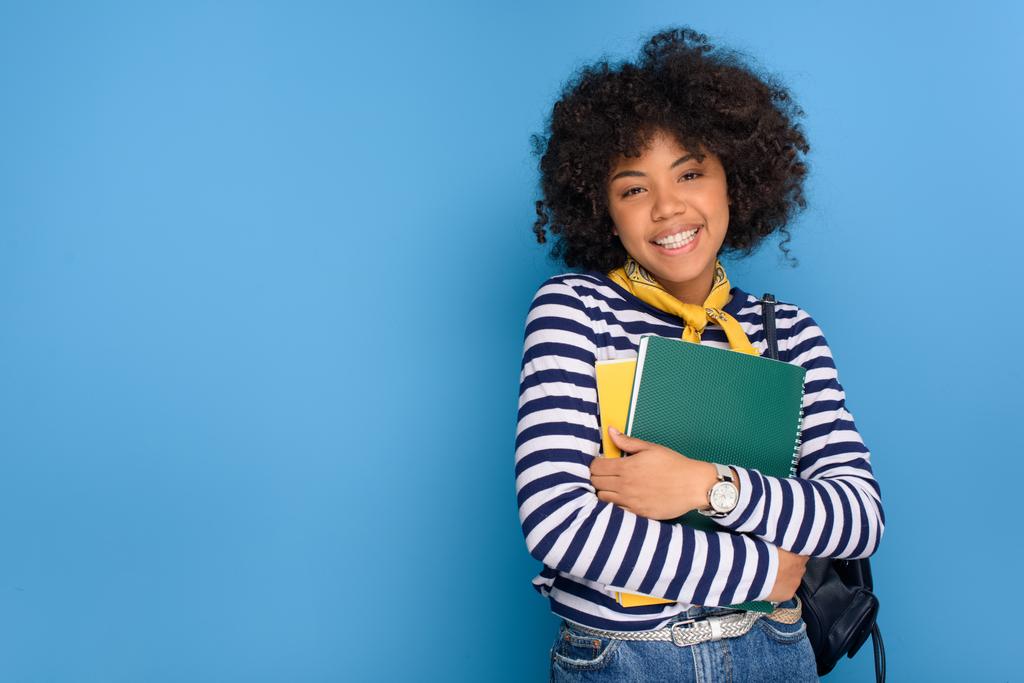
(640, 283)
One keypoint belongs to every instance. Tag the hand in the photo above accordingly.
(791, 573)
(654, 482)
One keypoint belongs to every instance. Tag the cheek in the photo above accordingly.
(725, 201)
(627, 225)
(719, 209)
(618, 214)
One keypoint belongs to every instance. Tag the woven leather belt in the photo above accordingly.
(701, 629)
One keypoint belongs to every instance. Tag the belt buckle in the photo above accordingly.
(672, 631)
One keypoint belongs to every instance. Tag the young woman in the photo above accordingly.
(649, 170)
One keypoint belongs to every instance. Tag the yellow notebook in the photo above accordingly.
(614, 389)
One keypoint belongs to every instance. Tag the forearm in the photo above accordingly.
(833, 507)
(572, 531)
(829, 517)
(565, 525)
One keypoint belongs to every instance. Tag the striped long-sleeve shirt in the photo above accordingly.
(590, 549)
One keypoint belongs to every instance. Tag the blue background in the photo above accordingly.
(263, 275)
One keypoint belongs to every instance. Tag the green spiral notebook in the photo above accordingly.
(718, 405)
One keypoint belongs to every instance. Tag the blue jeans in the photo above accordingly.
(769, 651)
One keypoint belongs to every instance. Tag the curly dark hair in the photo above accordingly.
(710, 100)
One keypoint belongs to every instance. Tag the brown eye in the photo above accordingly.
(629, 192)
(690, 175)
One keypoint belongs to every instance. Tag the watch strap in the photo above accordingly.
(724, 475)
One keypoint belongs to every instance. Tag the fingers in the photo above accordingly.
(611, 497)
(627, 444)
(606, 466)
(620, 500)
(605, 483)
(790, 556)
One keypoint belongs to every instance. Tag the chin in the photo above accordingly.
(680, 275)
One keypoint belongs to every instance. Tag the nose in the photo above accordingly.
(667, 204)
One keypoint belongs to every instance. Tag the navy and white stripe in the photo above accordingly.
(590, 548)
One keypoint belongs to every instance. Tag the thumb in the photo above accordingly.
(626, 443)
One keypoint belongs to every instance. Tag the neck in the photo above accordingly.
(694, 291)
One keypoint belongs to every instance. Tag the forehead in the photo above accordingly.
(659, 146)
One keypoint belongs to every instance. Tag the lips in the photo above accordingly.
(678, 246)
(675, 230)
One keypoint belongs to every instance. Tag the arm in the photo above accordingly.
(565, 525)
(833, 507)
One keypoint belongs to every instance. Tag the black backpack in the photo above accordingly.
(839, 607)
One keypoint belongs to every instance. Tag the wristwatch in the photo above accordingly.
(723, 496)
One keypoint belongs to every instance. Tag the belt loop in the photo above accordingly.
(716, 627)
(689, 631)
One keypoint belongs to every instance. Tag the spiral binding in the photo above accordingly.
(768, 316)
(799, 435)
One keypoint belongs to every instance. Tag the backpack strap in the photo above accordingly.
(863, 578)
(768, 314)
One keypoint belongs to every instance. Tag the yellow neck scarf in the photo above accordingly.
(640, 283)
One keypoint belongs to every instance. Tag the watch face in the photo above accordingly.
(724, 496)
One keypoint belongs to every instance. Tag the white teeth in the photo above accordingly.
(678, 240)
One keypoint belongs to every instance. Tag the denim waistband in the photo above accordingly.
(698, 611)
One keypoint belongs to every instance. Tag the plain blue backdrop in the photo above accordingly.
(264, 269)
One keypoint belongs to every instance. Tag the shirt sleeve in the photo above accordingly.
(565, 524)
(833, 508)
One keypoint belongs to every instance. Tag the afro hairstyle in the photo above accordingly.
(711, 100)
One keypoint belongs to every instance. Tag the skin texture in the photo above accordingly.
(654, 481)
(790, 574)
(659, 483)
(710, 98)
(666, 189)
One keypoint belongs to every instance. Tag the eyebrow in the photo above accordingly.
(640, 174)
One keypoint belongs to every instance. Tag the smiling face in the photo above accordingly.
(671, 212)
